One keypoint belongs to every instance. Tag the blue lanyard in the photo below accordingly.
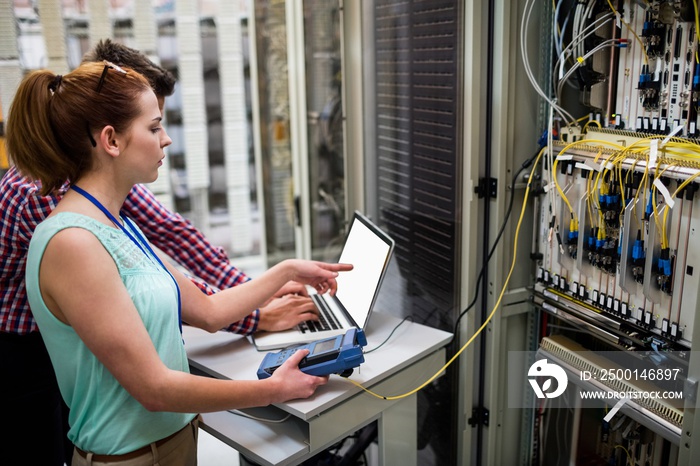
(140, 243)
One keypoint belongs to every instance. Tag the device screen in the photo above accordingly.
(323, 346)
(356, 288)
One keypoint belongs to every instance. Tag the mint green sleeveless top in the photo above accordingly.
(104, 418)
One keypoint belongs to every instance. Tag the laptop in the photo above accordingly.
(369, 250)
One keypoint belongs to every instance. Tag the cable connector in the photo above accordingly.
(591, 239)
(638, 249)
(696, 78)
(619, 244)
(573, 231)
(561, 247)
(664, 263)
(644, 77)
(600, 239)
(650, 206)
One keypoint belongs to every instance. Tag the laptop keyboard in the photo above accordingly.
(327, 320)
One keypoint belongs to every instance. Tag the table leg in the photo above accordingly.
(398, 427)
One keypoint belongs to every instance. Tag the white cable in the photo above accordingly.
(607, 43)
(584, 20)
(551, 192)
(577, 25)
(270, 421)
(577, 38)
(591, 29)
(528, 71)
(558, 35)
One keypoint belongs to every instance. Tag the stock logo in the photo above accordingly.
(542, 368)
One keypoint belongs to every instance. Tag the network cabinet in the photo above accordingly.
(617, 236)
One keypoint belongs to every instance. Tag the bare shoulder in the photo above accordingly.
(74, 238)
(75, 268)
(75, 248)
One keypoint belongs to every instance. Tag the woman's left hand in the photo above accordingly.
(319, 275)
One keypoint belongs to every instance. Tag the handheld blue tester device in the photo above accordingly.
(335, 355)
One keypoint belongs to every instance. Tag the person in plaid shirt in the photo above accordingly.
(28, 386)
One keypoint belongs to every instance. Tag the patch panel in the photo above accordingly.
(616, 244)
(632, 247)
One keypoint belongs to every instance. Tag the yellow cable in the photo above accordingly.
(675, 193)
(637, 191)
(659, 225)
(493, 311)
(684, 184)
(600, 188)
(561, 191)
(596, 122)
(629, 28)
(588, 200)
(554, 7)
(629, 457)
(589, 192)
(619, 157)
(697, 30)
(618, 166)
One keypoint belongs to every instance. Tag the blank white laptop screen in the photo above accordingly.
(369, 250)
(367, 253)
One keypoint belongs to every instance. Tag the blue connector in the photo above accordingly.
(638, 250)
(664, 263)
(614, 199)
(650, 206)
(573, 236)
(599, 243)
(644, 77)
(660, 265)
(667, 267)
(542, 141)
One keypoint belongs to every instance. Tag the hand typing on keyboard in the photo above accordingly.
(325, 319)
(286, 312)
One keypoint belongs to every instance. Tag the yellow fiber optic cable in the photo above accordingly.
(675, 193)
(493, 311)
(659, 225)
(599, 185)
(637, 191)
(629, 28)
(618, 167)
(561, 191)
(556, 183)
(590, 193)
(591, 142)
(697, 29)
(684, 184)
(596, 122)
(629, 458)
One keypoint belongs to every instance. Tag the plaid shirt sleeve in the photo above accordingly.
(208, 265)
(21, 210)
